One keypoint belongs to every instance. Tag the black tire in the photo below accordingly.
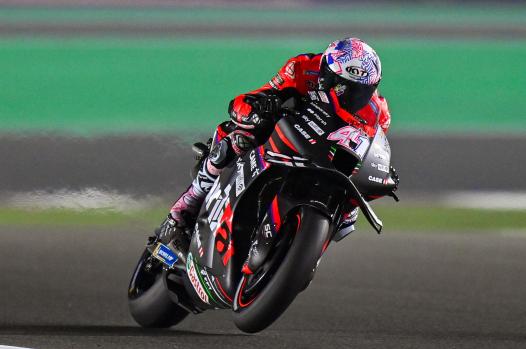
(149, 301)
(292, 276)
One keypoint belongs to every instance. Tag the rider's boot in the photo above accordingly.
(177, 227)
(347, 225)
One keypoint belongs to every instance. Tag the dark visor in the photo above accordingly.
(353, 97)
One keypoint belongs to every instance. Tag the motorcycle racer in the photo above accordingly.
(349, 71)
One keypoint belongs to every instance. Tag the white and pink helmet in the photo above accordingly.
(353, 69)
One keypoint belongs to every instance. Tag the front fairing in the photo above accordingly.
(309, 139)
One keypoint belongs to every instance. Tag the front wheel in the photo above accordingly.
(148, 298)
(255, 313)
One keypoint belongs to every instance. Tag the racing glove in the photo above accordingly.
(255, 110)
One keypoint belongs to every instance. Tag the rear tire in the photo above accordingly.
(294, 273)
(149, 300)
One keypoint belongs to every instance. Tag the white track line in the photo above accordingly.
(89, 198)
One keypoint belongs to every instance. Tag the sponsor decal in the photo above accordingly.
(357, 72)
(380, 156)
(165, 255)
(240, 179)
(375, 179)
(323, 97)
(339, 89)
(253, 164)
(194, 279)
(276, 81)
(290, 70)
(351, 138)
(380, 167)
(316, 128)
(320, 110)
(311, 72)
(219, 200)
(323, 122)
(302, 131)
(198, 239)
(313, 95)
(267, 231)
(279, 80)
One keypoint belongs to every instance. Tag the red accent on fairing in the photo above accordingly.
(223, 291)
(241, 108)
(298, 217)
(227, 217)
(273, 145)
(239, 302)
(225, 229)
(374, 197)
(348, 117)
(284, 139)
(246, 270)
(275, 213)
(261, 152)
(220, 246)
(228, 254)
(325, 245)
(221, 231)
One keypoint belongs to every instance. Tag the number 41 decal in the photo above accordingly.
(351, 138)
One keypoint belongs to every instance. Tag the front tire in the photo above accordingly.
(149, 299)
(292, 276)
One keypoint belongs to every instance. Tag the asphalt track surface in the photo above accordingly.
(67, 289)
(159, 165)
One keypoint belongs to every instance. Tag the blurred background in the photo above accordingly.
(100, 101)
(104, 97)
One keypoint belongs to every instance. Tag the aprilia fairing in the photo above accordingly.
(312, 158)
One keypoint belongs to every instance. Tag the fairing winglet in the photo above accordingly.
(366, 208)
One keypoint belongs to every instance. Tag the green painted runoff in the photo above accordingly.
(115, 86)
(414, 219)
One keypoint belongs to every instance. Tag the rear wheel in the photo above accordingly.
(261, 298)
(148, 298)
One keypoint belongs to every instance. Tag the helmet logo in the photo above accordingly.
(357, 71)
(339, 89)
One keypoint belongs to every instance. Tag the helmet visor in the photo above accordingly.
(352, 96)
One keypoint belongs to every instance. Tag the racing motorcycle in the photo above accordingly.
(266, 222)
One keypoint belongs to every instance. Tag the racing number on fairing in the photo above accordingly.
(351, 138)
